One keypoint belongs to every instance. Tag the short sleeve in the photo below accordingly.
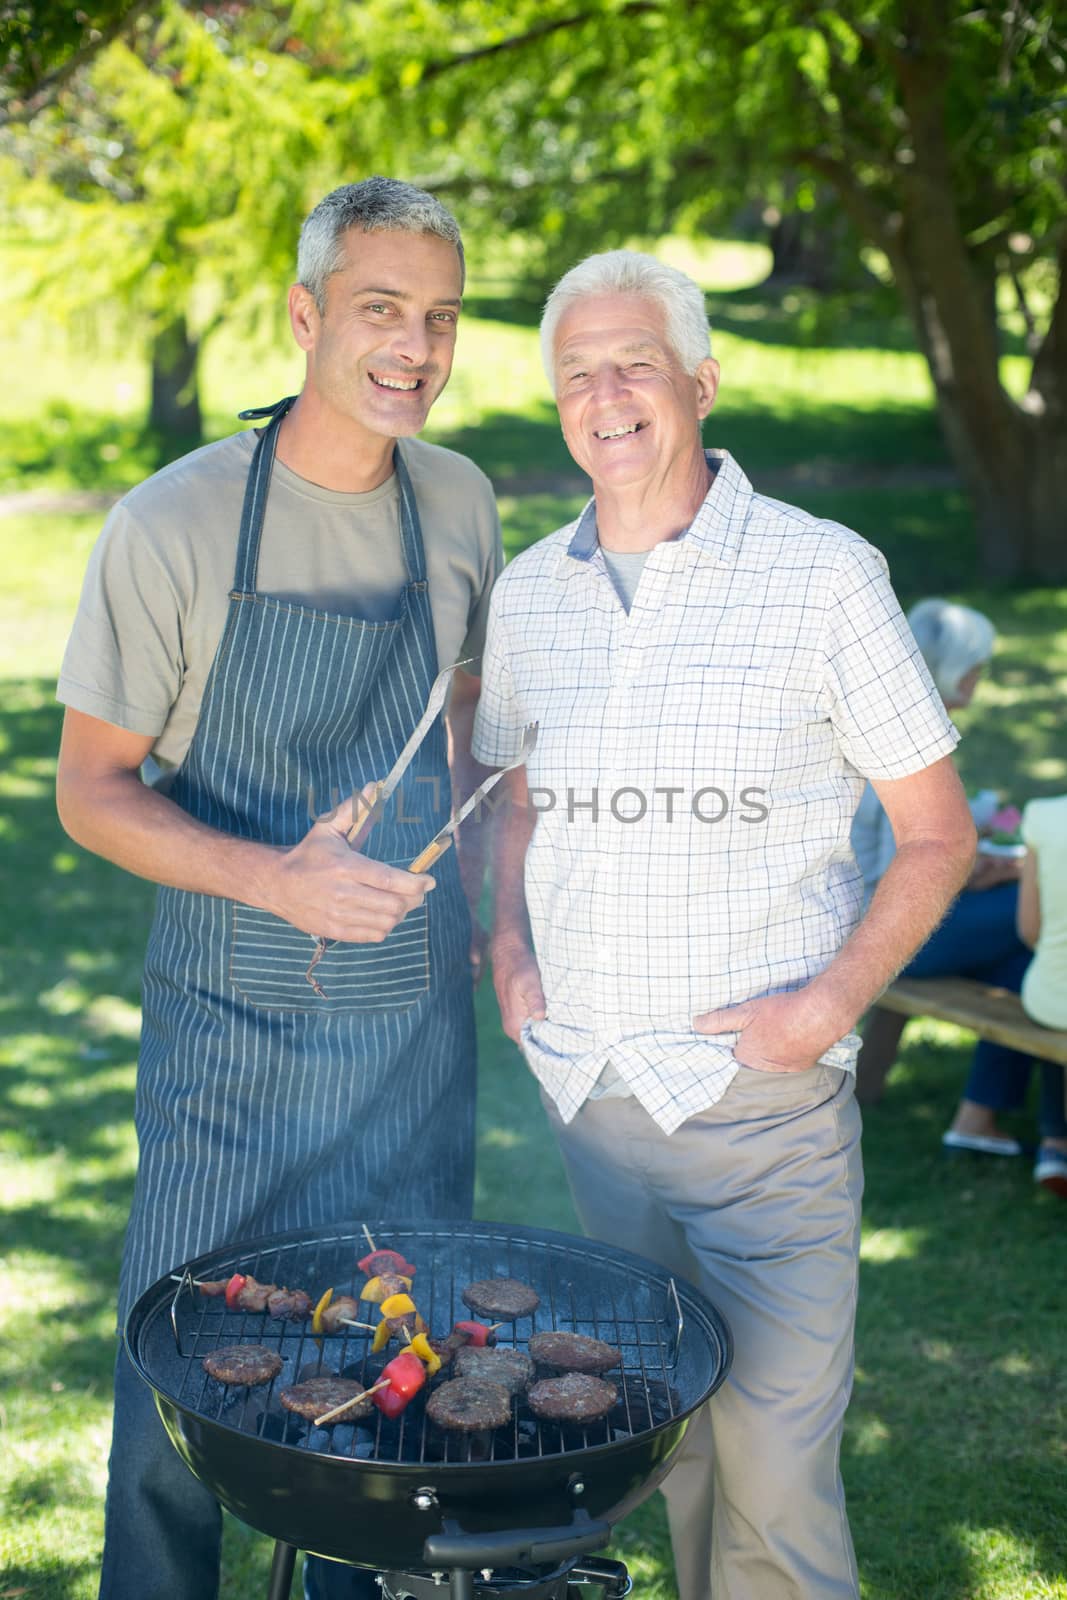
(123, 662)
(478, 623)
(888, 717)
(498, 723)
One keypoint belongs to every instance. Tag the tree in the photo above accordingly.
(168, 176)
(43, 45)
(939, 128)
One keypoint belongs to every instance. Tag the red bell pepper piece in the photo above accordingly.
(477, 1333)
(233, 1290)
(406, 1375)
(379, 1261)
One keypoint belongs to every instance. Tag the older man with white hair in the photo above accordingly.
(680, 945)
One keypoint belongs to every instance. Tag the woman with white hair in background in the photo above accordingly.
(978, 938)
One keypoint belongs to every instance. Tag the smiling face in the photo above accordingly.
(381, 352)
(630, 412)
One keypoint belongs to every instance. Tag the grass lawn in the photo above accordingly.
(954, 1455)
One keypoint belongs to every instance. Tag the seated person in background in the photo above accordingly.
(1042, 924)
(978, 938)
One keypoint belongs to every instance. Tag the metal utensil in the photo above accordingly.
(442, 840)
(385, 787)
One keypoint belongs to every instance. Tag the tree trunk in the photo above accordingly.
(1012, 458)
(175, 407)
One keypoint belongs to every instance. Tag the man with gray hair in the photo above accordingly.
(264, 620)
(679, 945)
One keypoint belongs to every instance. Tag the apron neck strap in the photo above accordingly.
(410, 527)
(255, 503)
(256, 486)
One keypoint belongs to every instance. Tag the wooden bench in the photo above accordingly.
(987, 1011)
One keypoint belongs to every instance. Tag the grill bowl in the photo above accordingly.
(371, 1494)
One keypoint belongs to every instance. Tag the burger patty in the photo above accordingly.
(574, 1352)
(243, 1363)
(469, 1405)
(501, 1297)
(574, 1397)
(511, 1368)
(318, 1395)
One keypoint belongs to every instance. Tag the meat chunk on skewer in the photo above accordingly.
(243, 1293)
(338, 1312)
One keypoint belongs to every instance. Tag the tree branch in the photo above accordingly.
(433, 69)
(44, 92)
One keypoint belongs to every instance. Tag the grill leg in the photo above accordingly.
(281, 1571)
(462, 1584)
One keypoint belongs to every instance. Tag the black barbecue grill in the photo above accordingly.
(403, 1497)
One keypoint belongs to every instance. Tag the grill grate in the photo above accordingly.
(581, 1290)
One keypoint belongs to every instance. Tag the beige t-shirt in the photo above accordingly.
(155, 595)
(1044, 993)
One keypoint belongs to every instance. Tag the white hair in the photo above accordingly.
(953, 640)
(629, 272)
(376, 205)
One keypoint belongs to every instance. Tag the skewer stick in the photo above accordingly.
(367, 1236)
(356, 1400)
(347, 1322)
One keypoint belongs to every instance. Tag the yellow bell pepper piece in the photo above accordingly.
(372, 1289)
(421, 1347)
(316, 1315)
(381, 1337)
(397, 1305)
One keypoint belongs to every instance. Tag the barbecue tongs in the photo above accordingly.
(384, 789)
(373, 804)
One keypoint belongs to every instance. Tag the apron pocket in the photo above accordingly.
(269, 960)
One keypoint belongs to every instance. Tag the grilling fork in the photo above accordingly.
(383, 790)
(443, 840)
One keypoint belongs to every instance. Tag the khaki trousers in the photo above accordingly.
(757, 1202)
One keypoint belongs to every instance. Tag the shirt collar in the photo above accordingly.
(715, 531)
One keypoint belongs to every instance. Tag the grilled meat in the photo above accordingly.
(505, 1298)
(511, 1368)
(316, 1396)
(573, 1352)
(243, 1293)
(575, 1397)
(337, 1313)
(243, 1364)
(469, 1405)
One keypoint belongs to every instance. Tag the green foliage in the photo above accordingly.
(41, 43)
(173, 176)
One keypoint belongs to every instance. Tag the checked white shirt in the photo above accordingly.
(696, 771)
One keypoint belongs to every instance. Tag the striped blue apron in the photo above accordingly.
(261, 1105)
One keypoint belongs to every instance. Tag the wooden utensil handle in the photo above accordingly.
(427, 857)
(366, 804)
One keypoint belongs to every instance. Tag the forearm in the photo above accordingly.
(120, 818)
(917, 889)
(472, 838)
(513, 828)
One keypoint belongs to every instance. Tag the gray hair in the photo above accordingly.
(629, 272)
(953, 640)
(377, 205)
